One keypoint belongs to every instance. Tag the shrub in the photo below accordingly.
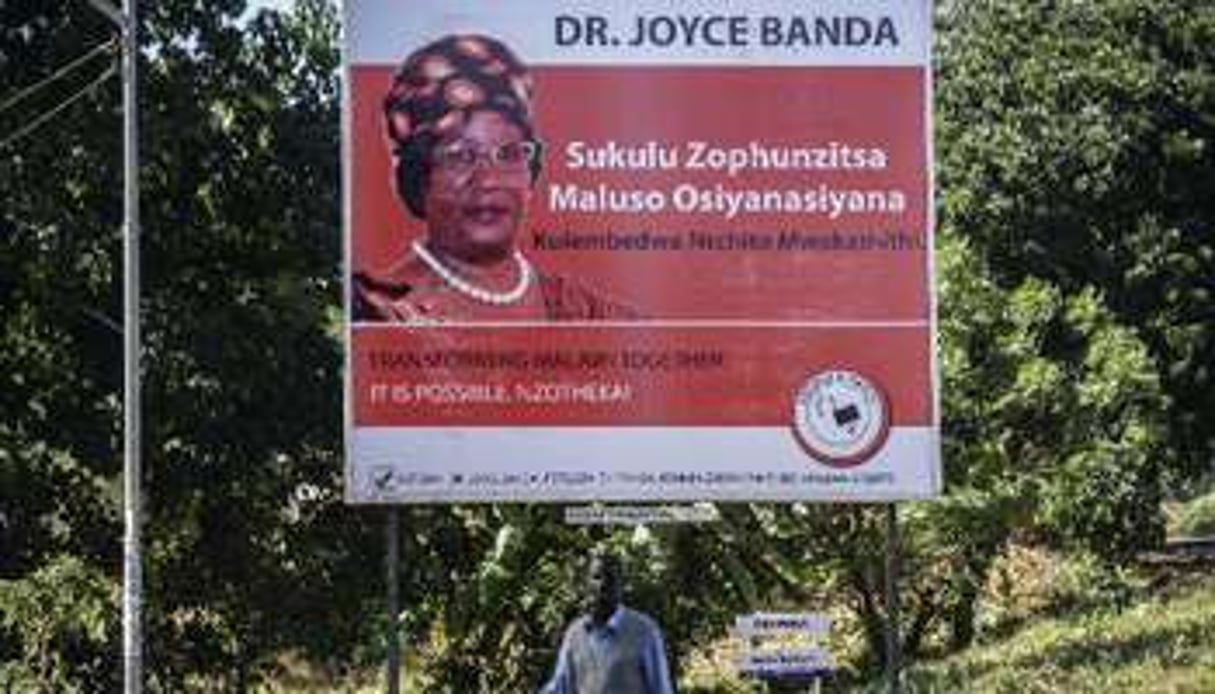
(1197, 517)
(58, 630)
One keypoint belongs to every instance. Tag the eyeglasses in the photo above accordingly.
(461, 158)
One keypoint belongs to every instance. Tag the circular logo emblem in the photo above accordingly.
(840, 417)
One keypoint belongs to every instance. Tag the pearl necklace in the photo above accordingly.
(471, 290)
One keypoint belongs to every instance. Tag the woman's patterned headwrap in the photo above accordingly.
(435, 92)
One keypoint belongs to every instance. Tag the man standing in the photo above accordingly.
(610, 649)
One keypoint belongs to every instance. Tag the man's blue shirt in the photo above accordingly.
(654, 671)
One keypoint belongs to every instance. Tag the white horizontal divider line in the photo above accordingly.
(706, 324)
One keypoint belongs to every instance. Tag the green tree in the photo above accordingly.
(1076, 146)
(1052, 431)
(249, 550)
(58, 404)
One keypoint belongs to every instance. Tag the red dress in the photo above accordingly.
(388, 298)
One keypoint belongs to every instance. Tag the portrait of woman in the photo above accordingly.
(458, 116)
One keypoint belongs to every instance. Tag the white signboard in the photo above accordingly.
(639, 251)
(769, 623)
(784, 663)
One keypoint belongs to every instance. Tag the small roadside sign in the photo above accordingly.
(783, 646)
(763, 623)
(785, 663)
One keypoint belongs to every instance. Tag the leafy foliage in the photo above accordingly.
(62, 617)
(1076, 148)
(240, 239)
(1196, 518)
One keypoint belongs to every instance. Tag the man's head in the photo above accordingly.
(603, 585)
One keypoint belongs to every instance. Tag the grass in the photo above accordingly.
(1161, 644)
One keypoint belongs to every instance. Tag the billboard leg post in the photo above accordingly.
(893, 638)
(392, 566)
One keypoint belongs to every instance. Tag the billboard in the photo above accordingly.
(639, 251)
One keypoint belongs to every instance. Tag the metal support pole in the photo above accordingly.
(394, 600)
(132, 503)
(132, 569)
(893, 637)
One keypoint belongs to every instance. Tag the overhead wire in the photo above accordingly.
(37, 122)
(23, 94)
